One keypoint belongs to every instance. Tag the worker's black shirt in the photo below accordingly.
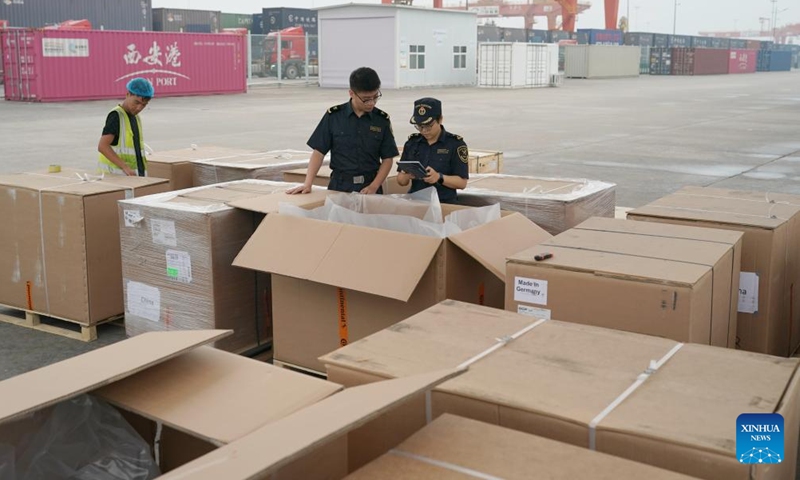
(448, 156)
(357, 144)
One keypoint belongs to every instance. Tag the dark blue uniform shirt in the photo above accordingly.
(357, 144)
(448, 156)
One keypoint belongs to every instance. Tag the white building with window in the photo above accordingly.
(408, 46)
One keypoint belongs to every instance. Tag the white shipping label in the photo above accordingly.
(748, 292)
(530, 290)
(164, 232)
(143, 301)
(132, 217)
(534, 312)
(179, 266)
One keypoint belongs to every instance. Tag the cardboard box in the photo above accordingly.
(323, 178)
(480, 161)
(262, 166)
(554, 204)
(202, 397)
(60, 243)
(769, 317)
(666, 280)
(177, 166)
(177, 250)
(456, 447)
(301, 435)
(554, 379)
(334, 283)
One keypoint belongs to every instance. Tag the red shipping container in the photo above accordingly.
(699, 61)
(52, 65)
(742, 61)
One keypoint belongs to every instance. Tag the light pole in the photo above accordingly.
(675, 18)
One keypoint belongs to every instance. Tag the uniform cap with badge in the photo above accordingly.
(426, 110)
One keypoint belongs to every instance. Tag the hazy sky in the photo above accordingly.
(646, 15)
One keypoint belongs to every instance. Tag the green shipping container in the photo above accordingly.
(236, 20)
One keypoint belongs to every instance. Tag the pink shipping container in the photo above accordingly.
(54, 65)
(742, 61)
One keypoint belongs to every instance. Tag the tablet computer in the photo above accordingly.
(413, 167)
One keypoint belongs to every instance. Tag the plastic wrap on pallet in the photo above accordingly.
(177, 251)
(262, 166)
(555, 204)
(418, 213)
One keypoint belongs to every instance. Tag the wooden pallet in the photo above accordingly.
(56, 325)
(298, 369)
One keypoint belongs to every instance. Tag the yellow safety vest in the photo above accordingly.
(125, 148)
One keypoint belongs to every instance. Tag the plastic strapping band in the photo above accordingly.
(653, 368)
(157, 443)
(446, 465)
(501, 342)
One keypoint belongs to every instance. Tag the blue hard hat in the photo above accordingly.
(141, 87)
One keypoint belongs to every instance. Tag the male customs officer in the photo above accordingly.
(444, 155)
(359, 137)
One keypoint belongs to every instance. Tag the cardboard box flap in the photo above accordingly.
(561, 369)
(491, 243)
(35, 181)
(696, 377)
(614, 265)
(754, 209)
(192, 393)
(275, 445)
(271, 202)
(324, 171)
(272, 158)
(714, 235)
(677, 250)
(339, 255)
(52, 384)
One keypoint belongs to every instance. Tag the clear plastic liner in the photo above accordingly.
(82, 438)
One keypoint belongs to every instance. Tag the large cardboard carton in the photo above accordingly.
(323, 178)
(481, 161)
(177, 250)
(177, 166)
(560, 380)
(60, 243)
(184, 399)
(302, 434)
(554, 204)
(334, 283)
(454, 447)
(262, 166)
(667, 280)
(769, 316)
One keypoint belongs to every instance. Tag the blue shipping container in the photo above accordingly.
(780, 61)
(702, 42)
(723, 43)
(555, 36)
(593, 36)
(537, 36)
(258, 24)
(660, 40)
(640, 39)
(738, 44)
(680, 41)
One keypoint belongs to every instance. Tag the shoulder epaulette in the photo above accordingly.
(414, 135)
(457, 137)
(333, 109)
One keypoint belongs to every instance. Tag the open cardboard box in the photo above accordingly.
(335, 283)
(187, 398)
